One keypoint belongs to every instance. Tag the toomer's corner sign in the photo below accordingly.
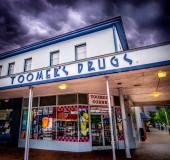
(98, 100)
(91, 67)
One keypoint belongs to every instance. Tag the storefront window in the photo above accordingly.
(116, 101)
(67, 123)
(48, 101)
(24, 123)
(67, 99)
(34, 124)
(26, 101)
(119, 123)
(46, 123)
(84, 123)
(82, 99)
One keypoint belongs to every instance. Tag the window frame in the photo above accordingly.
(9, 64)
(51, 56)
(25, 60)
(80, 45)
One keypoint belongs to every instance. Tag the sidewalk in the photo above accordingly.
(18, 154)
(157, 147)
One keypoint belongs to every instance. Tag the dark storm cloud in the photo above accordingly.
(26, 21)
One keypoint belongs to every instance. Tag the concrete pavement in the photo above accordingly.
(157, 147)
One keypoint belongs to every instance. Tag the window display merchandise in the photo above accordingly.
(119, 123)
(58, 122)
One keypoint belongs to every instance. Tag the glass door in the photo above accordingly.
(100, 127)
(96, 130)
(106, 130)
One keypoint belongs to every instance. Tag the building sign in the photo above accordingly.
(90, 67)
(98, 100)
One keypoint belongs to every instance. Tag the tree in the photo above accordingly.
(161, 115)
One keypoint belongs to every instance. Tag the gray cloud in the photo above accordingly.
(28, 21)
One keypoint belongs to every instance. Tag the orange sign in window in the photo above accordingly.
(45, 122)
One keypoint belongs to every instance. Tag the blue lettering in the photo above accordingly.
(103, 64)
(56, 72)
(114, 61)
(48, 74)
(80, 67)
(90, 66)
(21, 79)
(39, 75)
(12, 80)
(64, 70)
(127, 59)
(30, 77)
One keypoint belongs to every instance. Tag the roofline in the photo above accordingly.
(148, 46)
(99, 56)
(70, 35)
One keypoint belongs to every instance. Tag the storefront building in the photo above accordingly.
(69, 113)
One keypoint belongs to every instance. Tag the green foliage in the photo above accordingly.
(160, 115)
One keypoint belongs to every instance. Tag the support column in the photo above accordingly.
(111, 120)
(27, 139)
(122, 105)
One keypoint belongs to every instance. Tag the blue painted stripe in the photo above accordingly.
(86, 30)
(122, 35)
(115, 39)
(157, 64)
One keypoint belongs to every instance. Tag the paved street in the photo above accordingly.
(157, 147)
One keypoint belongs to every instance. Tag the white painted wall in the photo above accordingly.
(97, 43)
(58, 145)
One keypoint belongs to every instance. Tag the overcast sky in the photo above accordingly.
(23, 22)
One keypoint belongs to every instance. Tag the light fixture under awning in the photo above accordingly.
(63, 86)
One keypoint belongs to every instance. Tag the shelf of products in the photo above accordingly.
(67, 124)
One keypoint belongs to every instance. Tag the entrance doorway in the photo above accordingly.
(10, 112)
(100, 129)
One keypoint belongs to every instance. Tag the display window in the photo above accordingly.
(119, 123)
(67, 123)
(58, 122)
(24, 123)
(46, 123)
(84, 123)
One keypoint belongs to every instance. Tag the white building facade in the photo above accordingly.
(69, 113)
